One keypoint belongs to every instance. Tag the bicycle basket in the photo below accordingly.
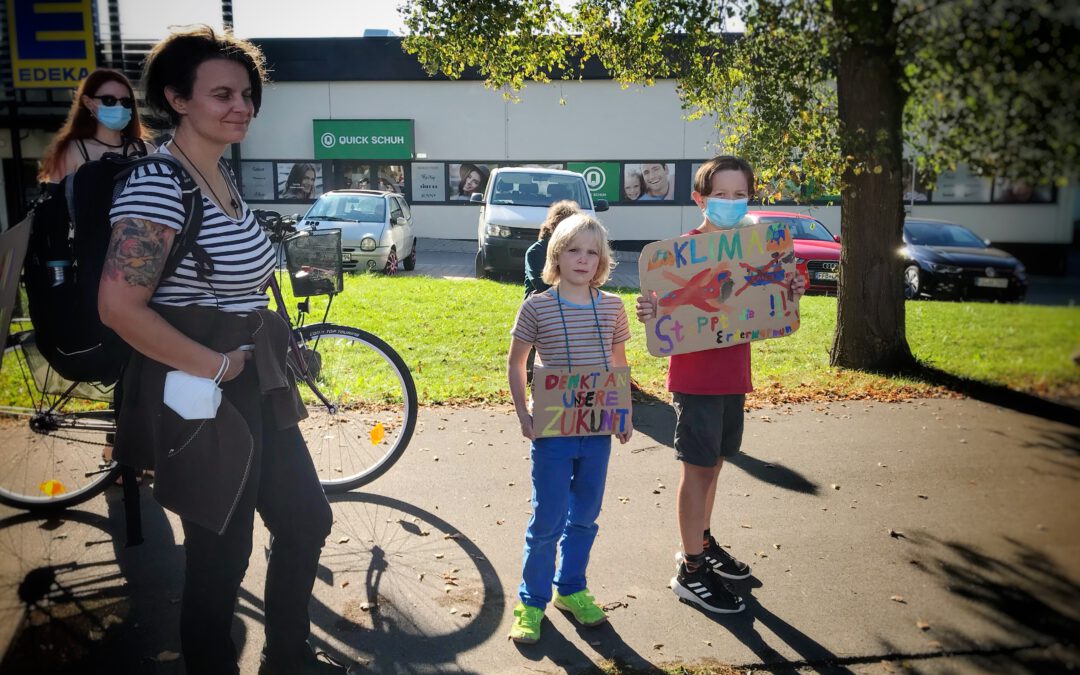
(313, 258)
(48, 381)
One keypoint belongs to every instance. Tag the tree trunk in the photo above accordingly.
(870, 332)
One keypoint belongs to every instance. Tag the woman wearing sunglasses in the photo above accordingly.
(103, 118)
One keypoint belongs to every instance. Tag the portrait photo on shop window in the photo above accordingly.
(1021, 192)
(652, 181)
(358, 176)
(299, 181)
(467, 178)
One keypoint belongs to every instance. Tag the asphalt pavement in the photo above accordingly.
(935, 536)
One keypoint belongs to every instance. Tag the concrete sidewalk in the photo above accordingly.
(938, 536)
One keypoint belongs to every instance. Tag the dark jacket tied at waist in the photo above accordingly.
(201, 466)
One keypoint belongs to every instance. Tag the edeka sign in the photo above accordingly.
(52, 43)
(363, 139)
(601, 177)
(720, 289)
(581, 401)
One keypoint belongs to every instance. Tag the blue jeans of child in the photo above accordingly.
(568, 476)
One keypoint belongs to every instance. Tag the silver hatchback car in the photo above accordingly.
(376, 228)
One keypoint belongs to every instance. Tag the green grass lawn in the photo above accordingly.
(454, 335)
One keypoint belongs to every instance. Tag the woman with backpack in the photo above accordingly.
(207, 397)
(103, 117)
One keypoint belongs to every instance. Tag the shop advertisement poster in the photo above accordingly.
(581, 401)
(258, 181)
(720, 288)
(428, 182)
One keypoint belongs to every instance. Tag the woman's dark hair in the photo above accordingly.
(81, 124)
(173, 63)
(703, 177)
(463, 175)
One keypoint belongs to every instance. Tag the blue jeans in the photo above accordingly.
(568, 477)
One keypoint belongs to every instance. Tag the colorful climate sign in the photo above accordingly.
(581, 401)
(720, 288)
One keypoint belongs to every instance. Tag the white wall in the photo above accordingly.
(569, 121)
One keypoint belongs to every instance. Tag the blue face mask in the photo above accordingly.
(725, 212)
(114, 117)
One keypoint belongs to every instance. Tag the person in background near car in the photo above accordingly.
(709, 391)
(536, 255)
(657, 181)
(572, 325)
(208, 321)
(103, 118)
(471, 178)
(301, 182)
(633, 186)
(536, 258)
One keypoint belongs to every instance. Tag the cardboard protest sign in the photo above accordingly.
(720, 288)
(12, 251)
(580, 401)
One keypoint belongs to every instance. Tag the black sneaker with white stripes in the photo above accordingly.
(723, 563)
(706, 590)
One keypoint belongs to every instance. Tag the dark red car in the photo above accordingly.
(817, 251)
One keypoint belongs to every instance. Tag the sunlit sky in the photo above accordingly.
(151, 19)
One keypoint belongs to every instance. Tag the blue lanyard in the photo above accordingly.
(566, 331)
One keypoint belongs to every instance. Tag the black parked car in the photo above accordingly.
(945, 260)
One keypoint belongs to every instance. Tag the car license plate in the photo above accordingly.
(346, 257)
(824, 276)
(987, 282)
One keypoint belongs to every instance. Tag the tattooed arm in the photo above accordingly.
(134, 262)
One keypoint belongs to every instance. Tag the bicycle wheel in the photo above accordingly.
(372, 411)
(52, 456)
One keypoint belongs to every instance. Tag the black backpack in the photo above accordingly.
(69, 237)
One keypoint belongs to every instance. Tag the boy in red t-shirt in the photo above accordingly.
(708, 391)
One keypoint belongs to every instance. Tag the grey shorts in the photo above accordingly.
(707, 428)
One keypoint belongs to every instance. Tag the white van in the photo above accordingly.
(513, 206)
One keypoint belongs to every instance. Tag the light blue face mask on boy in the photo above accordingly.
(725, 212)
(114, 117)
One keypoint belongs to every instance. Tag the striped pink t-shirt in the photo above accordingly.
(539, 323)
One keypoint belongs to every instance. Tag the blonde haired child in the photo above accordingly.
(572, 325)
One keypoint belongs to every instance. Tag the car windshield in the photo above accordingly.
(802, 228)
(530, 189)
(349, 207)
(941, 234)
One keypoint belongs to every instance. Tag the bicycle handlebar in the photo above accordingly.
(277, 226)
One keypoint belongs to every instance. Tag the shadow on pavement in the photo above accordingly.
(424, 592)
(1024, 594)
(655, 418)
(566, 655)
(998, 395)
(71, 588)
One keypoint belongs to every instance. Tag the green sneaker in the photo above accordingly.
(582, 606)
(526, 628)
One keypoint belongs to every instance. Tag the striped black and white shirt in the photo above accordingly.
(242, 254)
(540, 323)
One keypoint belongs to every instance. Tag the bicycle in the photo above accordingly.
(359, 393)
